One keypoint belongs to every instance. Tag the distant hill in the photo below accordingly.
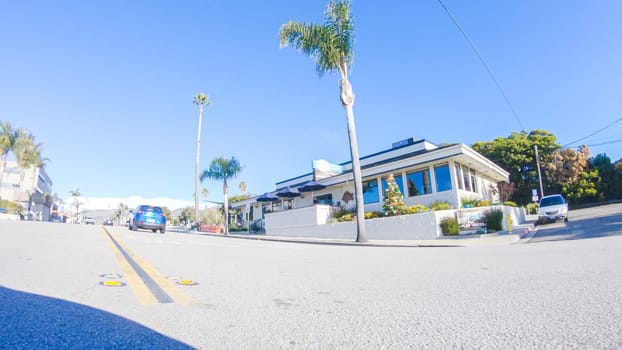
(111, 203)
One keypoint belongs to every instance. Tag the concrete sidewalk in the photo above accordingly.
(481, 240)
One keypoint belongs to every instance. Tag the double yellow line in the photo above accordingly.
(148, 285)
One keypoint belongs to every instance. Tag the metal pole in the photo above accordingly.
(539, 172)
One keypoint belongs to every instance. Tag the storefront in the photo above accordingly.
(424, 172)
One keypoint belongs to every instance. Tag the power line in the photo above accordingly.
(592, 134)
(507, 101)
(604, 143)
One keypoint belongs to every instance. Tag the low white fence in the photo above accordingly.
(314, 223)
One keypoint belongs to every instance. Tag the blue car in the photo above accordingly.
(148, 217)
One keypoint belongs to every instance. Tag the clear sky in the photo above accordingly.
(107, 86)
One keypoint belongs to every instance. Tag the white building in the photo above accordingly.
(27, 187)
(425, 173)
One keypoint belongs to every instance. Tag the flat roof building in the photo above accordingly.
(424, 172)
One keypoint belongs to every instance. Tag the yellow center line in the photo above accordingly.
(168, 286)
(142, 293)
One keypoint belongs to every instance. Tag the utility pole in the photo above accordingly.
(539, 172)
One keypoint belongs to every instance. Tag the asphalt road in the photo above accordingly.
(248, 294)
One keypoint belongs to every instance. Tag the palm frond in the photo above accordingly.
(221, 169)
(329, 45)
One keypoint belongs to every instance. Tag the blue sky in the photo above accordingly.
(108, 86)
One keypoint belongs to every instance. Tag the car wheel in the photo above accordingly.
(162, 230)
(565, 219)
(154, 230)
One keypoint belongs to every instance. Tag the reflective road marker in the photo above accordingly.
(146, 283)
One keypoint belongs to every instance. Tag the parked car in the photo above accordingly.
(4, 211)
(89, 220)
(552, 208)
(56, 218)
(148, 217)
(108, 222)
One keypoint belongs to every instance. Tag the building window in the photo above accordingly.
(459, 177)
(419, 183)
(473, 180)
(467, 179)
(398, 181)
(443, 178)
(370, 191)
(324, 199)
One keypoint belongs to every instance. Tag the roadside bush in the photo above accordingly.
(494, 220)
(510, 204)
(345, 217)
(416, 209)
(439, 205)
(255, 227)
(236, 228)
(372, 215)
(449, 226)
(531, 208)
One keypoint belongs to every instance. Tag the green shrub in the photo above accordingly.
(531, 208)
(372, 215)
(510, 204)
(236, 228)
(468, 202)
(449, 226)
(416, 209)
(255, 227)
(345, 217)
(494, 220)
(440, 205)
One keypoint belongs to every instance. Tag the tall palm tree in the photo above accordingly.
(27, 153)
(223, 169)
(7, 144)
(330, 45)
(201, 100)
(242, 186)
(76, 202)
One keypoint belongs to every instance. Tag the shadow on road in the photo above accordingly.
(578, 228)
(30, 321)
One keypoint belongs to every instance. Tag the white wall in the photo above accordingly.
(292, 223)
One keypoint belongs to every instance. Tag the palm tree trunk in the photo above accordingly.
(2, 166)
(196, 170)
(347, 99)
(225, 191)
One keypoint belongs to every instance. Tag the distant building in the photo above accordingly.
(31, 188)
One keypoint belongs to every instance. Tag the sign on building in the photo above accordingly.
(472, 220)
(323, 169)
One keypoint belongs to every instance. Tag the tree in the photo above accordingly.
(393, 199)
(201, 100)
(27, 153)
(7, 144)
(584, 189)
(611, 175)
(330, 45)
(566, 167)
(223, 169)
(516, 154)
(76, 201)
(242, 187)
(570, 173)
